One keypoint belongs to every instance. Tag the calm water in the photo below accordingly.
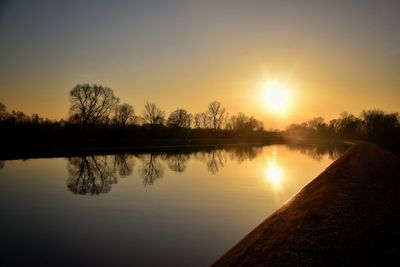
(162, 209)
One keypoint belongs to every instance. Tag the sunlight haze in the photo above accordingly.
(334, 55)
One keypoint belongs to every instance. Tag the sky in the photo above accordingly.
(333, 56)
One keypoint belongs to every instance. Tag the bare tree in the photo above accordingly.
(153, 115)
(124, 114)
(241, 122)
(205, 120)
(91, 104)
(197, 120)
(216, 112)
(3, 111)
(378, 124)
(180, 118)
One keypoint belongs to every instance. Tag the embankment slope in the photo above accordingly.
(348, 215)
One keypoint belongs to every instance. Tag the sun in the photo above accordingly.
(276, 96)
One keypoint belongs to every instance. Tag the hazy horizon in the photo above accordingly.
(332, 56)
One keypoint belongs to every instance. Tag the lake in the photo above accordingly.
(174, 208)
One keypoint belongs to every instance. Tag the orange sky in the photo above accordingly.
(334, 56)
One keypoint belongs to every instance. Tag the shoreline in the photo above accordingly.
(347, 215)
(75, 150)
(104, 147)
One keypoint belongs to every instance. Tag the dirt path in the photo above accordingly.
(348, 215)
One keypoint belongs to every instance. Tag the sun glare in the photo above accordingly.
(276, 96)
(274, 174)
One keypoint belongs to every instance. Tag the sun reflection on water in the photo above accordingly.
(274, 174)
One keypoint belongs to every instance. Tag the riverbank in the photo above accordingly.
(348, 215)
(103, 147)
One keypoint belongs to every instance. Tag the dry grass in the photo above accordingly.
(348, 215)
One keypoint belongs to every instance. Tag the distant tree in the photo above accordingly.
(205, 120)
(3, 111)
(153, 115)
(378, 125)
(316, 124)
(241, 122)
(19, 117)
(92, 104)
(180, 118)
(348, 125)
(216, 113)
(124, 114)
(197, 120)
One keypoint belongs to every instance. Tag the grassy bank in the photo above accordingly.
(348, 215)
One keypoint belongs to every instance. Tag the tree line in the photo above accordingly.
(97, 106)
(97, 118)
(373, 125)
(99, 121)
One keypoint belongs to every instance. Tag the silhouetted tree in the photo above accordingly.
(216, 113)
(180, 118)
(347, 125)
(205, 120)
(316, 124)
(153, 115)
(241, 122)
(91, 104)
(3, 111)
(378, 125)
(19, 117)
(124, 114)
(197, 120)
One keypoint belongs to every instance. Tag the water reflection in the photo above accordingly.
(151, 169)
(243, 153)
(90, 175)
(274, 173)
(95, 175)
(317, 152)
(124, 164)
(177, 162)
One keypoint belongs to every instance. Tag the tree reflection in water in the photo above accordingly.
(214, 159)
(318, 151)
(124, 163)
(90, 175)
(151, 169)
(243, 153)
(95, 175)
(177, 162)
